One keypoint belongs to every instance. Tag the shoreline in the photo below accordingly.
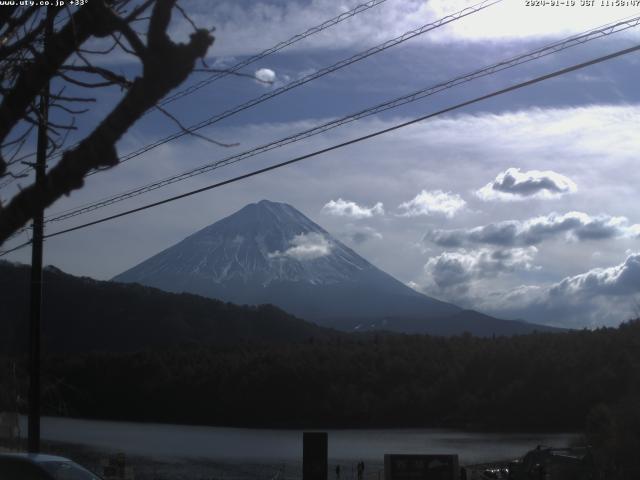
(353, 428)
(180, 452)
(151, 468)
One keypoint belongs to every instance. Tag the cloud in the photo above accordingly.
(344, 208)
(265, 75)
(516, 20)
(360, 234)
(576, 226)
(512, 184)
(457, 269)
(306, 246)
(478, 144)
(600, 296)
(515, 299)
(622, 279)
(430, 202)
(240, 26)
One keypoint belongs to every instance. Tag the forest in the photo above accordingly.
(200, 361)
(546, 381)
(81, 314)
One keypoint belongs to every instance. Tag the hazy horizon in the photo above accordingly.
(523, 206)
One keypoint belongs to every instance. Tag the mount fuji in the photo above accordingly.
(269, 252)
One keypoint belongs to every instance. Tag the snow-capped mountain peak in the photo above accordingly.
(264, 241)
(269, 252)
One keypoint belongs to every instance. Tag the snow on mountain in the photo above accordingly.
(269, 252)
(263, 242)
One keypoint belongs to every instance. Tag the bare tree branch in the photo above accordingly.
(187, 17)
(138, 47)
(138, 11)
(188, 131)
(108, 75)
(93, 17)
(30, 36)
(165, 66)
(82, 83)
(70, 111)
(73, 99)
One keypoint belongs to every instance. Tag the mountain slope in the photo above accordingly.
(81, 314)
(468, 321)
(269, 252)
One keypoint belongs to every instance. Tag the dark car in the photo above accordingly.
(25, 466)
(574, 463)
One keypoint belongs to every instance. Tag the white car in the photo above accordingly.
(29, 466)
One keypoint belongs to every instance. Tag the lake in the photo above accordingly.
(263, 446)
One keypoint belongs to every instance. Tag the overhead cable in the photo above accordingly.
(395, 103)
(308, 78)
(253, 173)
(276, 48)
(235, 68)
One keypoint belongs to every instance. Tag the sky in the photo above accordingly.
(524, 205)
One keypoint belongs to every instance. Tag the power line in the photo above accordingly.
(286, 43)
(218, 75)
(313, 76)
(320, 73)
(343, 63)
(503, 65)
(11, 178)
(496, 93)
(18, 247)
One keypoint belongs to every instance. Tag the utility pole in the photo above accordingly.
(36, 264)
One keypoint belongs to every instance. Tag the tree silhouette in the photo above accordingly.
(27, 64)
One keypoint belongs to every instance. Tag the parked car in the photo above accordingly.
(574, 463)
(27, 466)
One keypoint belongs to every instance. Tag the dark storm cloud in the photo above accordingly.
(512, 184)
(575, 225)
(456, 269)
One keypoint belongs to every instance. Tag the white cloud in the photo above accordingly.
(345, 208)
(306, 246)
(240, 26)
(515, 20)
(265, 75)
(512, 184)
(465, 151)
(430, 202)
(622, 279)
(600, 296)
(575, 226)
